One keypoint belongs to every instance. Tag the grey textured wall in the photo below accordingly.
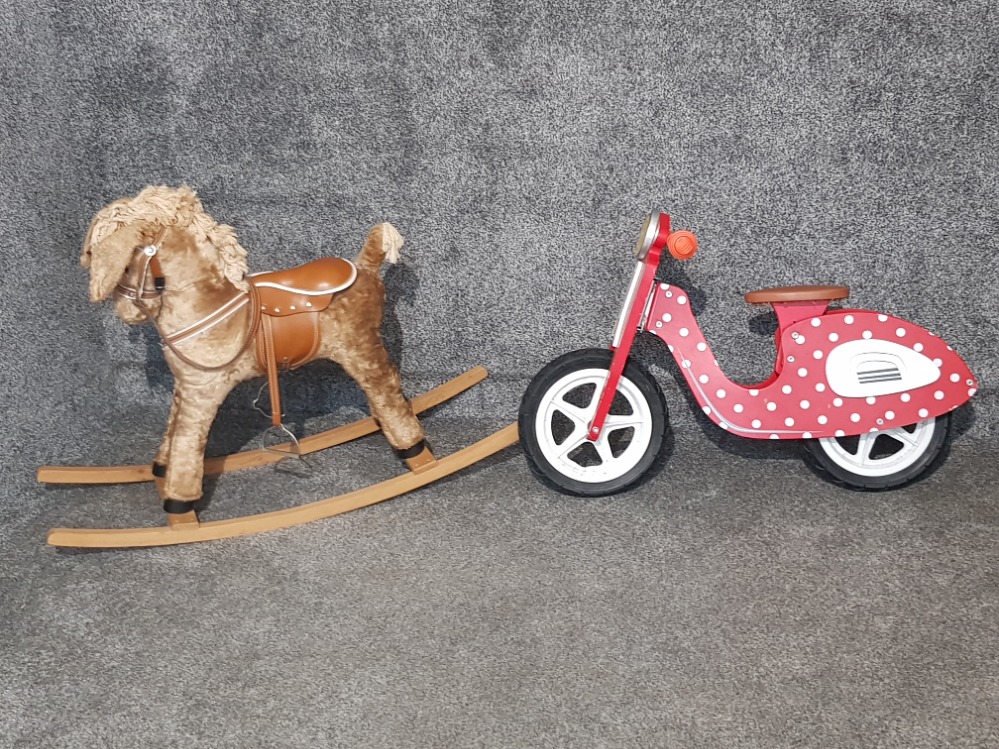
(517, 146)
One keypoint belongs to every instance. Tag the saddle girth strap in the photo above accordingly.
(270, 359)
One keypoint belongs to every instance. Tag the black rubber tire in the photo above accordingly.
(833, 471)
(548, 473)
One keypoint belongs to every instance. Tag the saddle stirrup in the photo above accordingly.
(277, 431)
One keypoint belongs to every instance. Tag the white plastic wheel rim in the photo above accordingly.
(913, 445)
(557, 454)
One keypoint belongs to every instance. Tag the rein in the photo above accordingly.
(139, 295)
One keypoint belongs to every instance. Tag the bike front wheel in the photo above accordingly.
(555, 414)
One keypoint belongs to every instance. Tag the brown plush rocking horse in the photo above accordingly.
(164, 259)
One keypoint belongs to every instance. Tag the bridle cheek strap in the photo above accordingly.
(152, 263)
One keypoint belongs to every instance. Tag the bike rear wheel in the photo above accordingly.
(882, 460)
(555, 414)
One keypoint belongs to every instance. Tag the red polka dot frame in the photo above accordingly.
(837, 373)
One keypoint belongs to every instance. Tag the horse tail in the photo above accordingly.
(383, 245)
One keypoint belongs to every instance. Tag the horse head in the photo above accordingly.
(160, 241)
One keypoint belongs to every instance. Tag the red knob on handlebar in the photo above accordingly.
(682, 244)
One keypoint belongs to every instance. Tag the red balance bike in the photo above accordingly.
(870, 394)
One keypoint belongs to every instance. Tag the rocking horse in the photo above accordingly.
(166, 261)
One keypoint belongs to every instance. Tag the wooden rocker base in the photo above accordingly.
(191, 532)
(253, 458)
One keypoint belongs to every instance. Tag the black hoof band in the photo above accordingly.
(159, 470)
(412, 452)
(177, 506)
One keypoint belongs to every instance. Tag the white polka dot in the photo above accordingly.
(882, 318)
(848, 319)
(786, 390)
(686, 363)
(774, 437)
(789, 422)
(664, 286)
(873, 429)
(737, 408)
(972, 391)
(681, 299)
(707, 409)
(702, 346)
(771, 406)
(955, 378)
(703, 379)
(720, 393)
(837, 402)
(840, 433)
(906, 397)
(820, 387)
(723, 425)
(807, 435)
(938, 363)
(939, 395)
(900, 332)
(684, 332)
(669, 294)
(923, 413)
(802, 372)
(670, 347)
(816, 322)
(823, 419)
(834, 337)
(854, 418)
(667, 317)
(817, 354)
(757, 423)
(871, 400)
(805, 405)
(918, 347)
(889, 415)
(868, 335)
(800, 339)
(754, 393)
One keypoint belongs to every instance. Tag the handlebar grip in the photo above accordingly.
(682, 244)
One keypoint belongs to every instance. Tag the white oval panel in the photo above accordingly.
(861, 369)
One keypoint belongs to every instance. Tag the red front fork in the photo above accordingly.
(629, 320)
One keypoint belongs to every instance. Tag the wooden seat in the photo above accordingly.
(781, 294)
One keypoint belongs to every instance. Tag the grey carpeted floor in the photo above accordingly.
(735, 600)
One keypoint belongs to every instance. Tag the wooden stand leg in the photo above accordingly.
(422, 461)
(182, 520)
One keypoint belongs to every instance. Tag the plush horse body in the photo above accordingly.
(167, 261)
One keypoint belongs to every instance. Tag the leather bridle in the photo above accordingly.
(140, 296)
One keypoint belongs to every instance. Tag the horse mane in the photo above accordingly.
(174, 206)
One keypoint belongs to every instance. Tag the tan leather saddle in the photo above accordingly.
(290, 302)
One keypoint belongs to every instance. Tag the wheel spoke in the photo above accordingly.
(864, 446)
(902, 436)
(622, 422)
(573, 441)
(579, 415)
(604, 450)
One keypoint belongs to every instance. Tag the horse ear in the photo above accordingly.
(109, 259)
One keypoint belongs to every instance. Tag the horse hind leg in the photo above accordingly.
(368, 363)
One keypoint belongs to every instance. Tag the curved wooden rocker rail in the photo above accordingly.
(253, 458)
(191, 532)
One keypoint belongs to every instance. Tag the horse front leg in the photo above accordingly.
(163, 453)
(194, 410)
